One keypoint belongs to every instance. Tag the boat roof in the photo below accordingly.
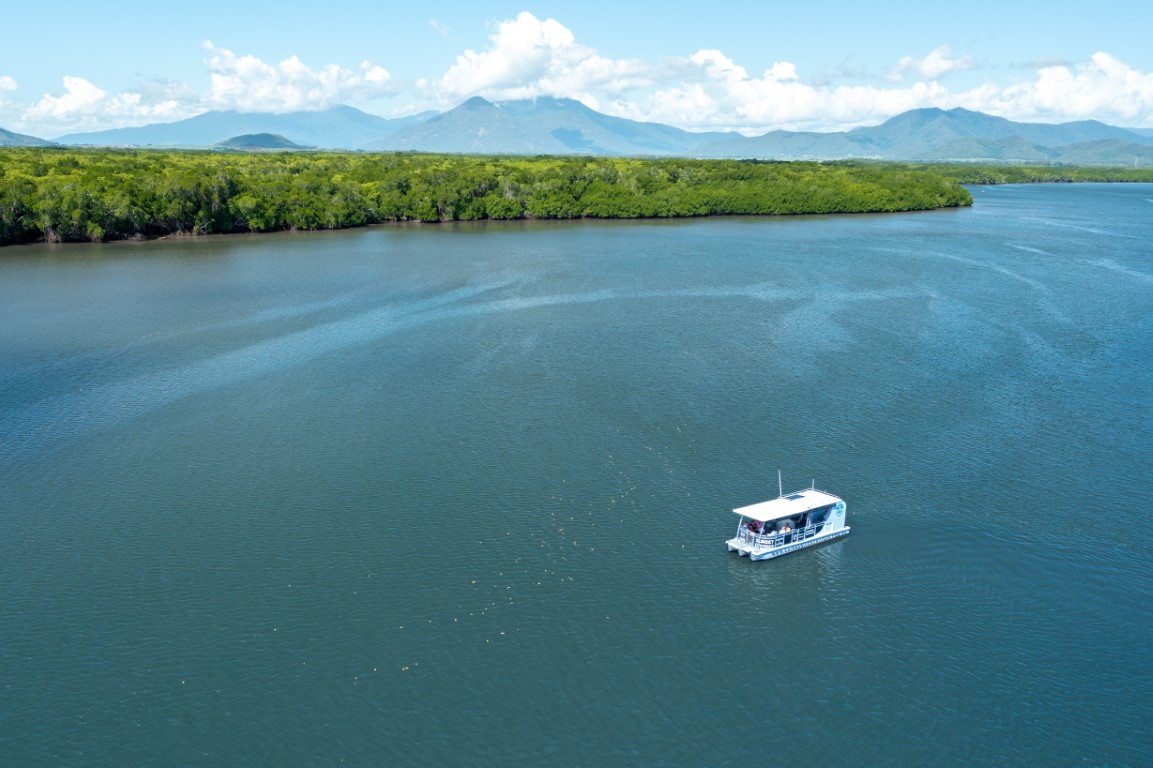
(787, 505)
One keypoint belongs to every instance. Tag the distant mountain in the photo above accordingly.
(336, 128)
(786, 145)
(937, 134)
(9, 139)
(1009, 149)
(911, 134)
(568, 127)
(542, 126)
(1106, 152)
(259, 141)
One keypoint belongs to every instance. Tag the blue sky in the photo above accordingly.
(718, 65)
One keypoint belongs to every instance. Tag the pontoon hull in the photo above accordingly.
(763, 553)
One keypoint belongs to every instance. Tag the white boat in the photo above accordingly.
(788, 523)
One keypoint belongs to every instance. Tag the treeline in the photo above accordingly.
(980, 173)
(74, 195)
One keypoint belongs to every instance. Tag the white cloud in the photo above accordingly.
(247, 84)
(933, 67)
(373, 75)
(782, 71)
(84, 106)
(527, 57)
(530, 57)
(712, 92)
(80, 97)
(244, 83)
(1103, 88)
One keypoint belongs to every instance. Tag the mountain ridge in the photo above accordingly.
(340, 127)
(921, 134)
(256, 142)
(544, 125)
(558, 126)
(11, 139)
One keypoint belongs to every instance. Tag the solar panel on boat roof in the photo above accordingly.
(795, 496)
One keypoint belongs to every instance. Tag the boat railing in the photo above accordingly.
(778, 538)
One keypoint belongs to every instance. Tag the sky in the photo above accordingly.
(751, 66)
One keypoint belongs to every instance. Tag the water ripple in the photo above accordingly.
(30, 428)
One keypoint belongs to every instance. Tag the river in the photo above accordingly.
(421, 495)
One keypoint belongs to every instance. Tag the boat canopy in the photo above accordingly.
(786, 506)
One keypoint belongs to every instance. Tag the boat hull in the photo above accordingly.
(758, 553)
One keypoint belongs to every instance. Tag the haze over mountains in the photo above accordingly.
(336, 128)
(543, 126)
(566, 127)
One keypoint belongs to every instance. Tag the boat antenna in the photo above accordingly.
(780, 488)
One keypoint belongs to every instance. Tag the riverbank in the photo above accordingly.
(990, 174)
(94, 195)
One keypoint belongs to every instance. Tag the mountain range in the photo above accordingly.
(568, 127)
(9, 139)
(542, 126)
(956, 135)
(335, 128)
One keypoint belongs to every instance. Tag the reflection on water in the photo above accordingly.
(411, 493)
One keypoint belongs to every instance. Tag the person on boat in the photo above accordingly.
(753, 527)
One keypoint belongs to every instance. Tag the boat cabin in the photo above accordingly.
(787, 523)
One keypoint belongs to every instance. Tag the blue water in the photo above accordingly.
(420, 495)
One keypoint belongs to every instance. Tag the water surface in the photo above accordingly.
(419, 495)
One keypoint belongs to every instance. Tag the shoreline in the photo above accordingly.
(524, 222)
(105, 195)
(532, 220)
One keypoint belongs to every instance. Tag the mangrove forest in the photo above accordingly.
(74, 195)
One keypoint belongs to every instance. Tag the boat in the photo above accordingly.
(787, 523)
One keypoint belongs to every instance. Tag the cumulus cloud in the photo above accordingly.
(530, 57)
(527, 57)
(1103, 88)
(80, 96)
(248, 84)
(243, 83)
(711, 91)
(933, 67)
(84, 106)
